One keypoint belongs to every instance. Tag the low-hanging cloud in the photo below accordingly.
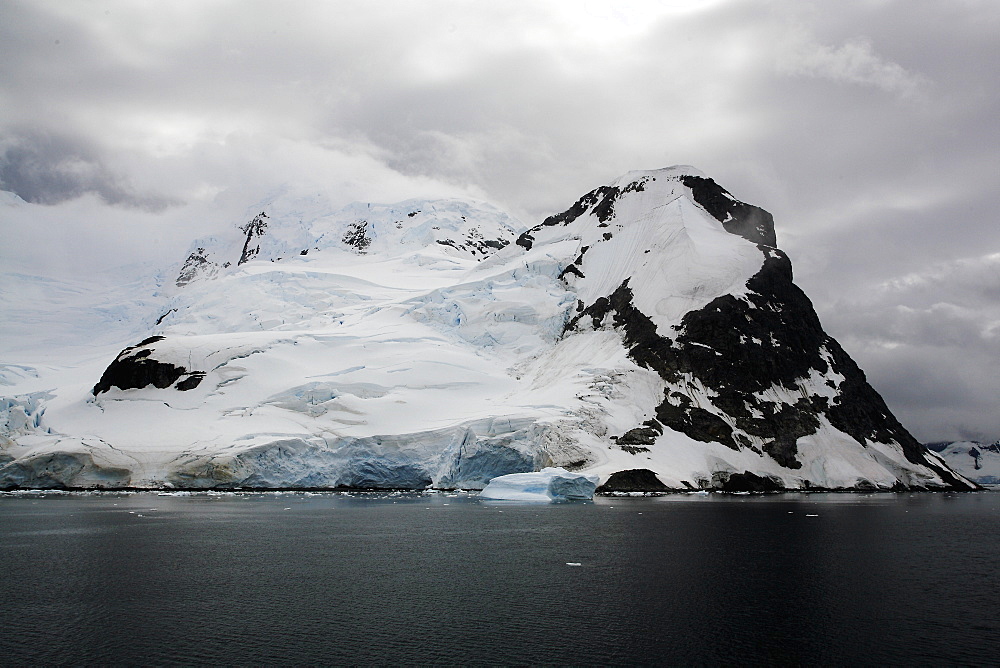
(854, 62)
(47, 169)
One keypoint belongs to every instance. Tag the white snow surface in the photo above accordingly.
(976, 461)
(425, 356)
(549, 484)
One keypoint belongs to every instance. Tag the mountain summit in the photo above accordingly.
(650, 334)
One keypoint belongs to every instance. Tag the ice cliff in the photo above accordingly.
(650, 335)
(549, 484)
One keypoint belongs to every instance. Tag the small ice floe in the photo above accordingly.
(549, 484)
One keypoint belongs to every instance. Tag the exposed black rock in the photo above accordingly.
(739, 347)
(977, 456)
(600, 201)
(645, 435)
(164, 316)
(135, 368)
(571, 269)
(633, 480)
(357, 236)
(746, 482)
(254, 230)
(476, 243)
(696, 422)
(192, 381)
(748, 221)
(197, 264)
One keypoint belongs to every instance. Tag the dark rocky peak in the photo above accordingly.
(746, 220)
(738, 349)
(254, 230)
(195, 266)
(599, 202)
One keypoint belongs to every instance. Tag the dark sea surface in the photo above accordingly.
(265, 579)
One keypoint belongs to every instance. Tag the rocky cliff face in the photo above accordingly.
(650, 334)
(754, 370)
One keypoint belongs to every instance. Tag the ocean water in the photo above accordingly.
(378, 579)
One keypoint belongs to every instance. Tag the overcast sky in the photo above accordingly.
(868, 128)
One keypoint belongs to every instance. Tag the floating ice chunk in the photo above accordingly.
(549, 484)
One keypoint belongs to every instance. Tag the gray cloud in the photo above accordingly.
(46, 169)
(868, 129)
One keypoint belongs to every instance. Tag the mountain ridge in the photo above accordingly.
(652, 331)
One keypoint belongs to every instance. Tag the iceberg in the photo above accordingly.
(549, 484)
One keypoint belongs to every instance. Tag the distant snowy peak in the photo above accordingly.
(298, 227)
(976, 461)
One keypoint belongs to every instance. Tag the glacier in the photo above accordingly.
(650, 335)
(979, 462)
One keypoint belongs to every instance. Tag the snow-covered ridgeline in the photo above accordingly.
(974, 460)
(649, 335)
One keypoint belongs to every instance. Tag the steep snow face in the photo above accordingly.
(974, 460)
(650, 335)
(747, 365)
(646, 230)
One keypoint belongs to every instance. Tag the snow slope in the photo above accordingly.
(650, 335)
(976, 461)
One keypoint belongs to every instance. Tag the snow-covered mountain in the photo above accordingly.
(979, 462)
(651, 334)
